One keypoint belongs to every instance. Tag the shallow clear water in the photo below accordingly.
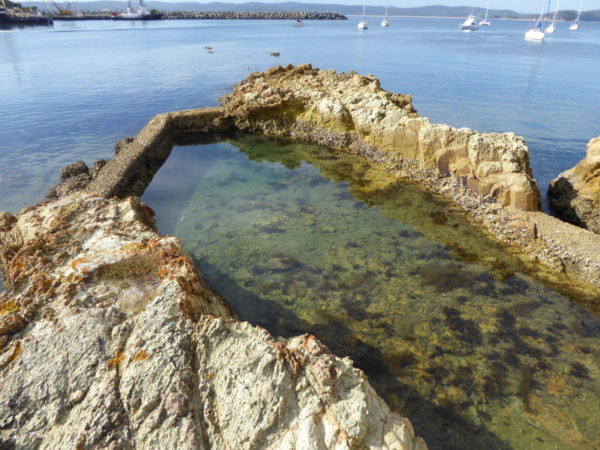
(70, 91)
(450, 332)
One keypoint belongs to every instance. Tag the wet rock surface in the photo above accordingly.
(109, 338)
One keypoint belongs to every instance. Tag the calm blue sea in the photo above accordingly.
(68, 92)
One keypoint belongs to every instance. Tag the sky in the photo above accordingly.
(527, 6)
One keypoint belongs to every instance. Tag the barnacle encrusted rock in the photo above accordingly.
(352, 113)
(109, 338)
(575, 193)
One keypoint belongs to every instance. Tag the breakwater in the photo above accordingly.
(233, 15)
(212, 15)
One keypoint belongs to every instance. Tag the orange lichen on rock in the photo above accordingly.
(140, 355)
(8, 307)
(16, 352)
(117, 360)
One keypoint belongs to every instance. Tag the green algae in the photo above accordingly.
(447, 325)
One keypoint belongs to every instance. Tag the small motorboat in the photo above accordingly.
(470, 24)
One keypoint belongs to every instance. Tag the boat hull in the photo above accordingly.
(534, 34)
(550, 29)
(574, 27)
(144, 17)
(362, 26)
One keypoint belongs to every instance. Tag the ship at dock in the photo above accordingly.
(142, 13)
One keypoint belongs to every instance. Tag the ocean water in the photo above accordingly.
(68, 92)
(450, 328)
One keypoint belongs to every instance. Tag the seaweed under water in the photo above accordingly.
(447, 326)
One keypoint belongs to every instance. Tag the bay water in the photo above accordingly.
(68, 92)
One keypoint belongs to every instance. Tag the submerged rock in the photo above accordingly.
(110, 338)
(575, 194)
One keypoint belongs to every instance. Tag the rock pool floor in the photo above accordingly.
(447, 326)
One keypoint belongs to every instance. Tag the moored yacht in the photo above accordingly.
(362, 25)
(536, 33)
(552, 27)
(575, 25)
(470, 24)
(386, 21)
(485, 22)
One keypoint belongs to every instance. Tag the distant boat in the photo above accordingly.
(386, 21)
(552, 27)
(575, 25)
(298, 22)
(485, 22)
(470, 24)
(363, 24)
(141, 14)
(536, 33)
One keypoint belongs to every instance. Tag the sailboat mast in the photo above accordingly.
(579, 12)
(555, 12)
(364, 9)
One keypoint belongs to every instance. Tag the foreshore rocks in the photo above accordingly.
(575, 194)
(109, 338)
(350, 112)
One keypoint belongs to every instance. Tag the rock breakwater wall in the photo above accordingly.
(350, 112)
(483, 173)
(240, 15)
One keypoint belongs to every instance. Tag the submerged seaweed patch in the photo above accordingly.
(446, 328)
(444, 278)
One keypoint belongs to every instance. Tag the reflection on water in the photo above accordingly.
(449, 330)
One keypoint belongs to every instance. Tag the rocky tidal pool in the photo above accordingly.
(451, 329)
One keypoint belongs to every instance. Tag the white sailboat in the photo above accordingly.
(386, 21)
(485, 22)
(575, 25)
(470, 24)
(363, 24)
(552, 27)
(536, 33)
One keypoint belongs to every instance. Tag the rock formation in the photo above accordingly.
(575, 194)
(350, 112)
(110, 339)
(346, 112)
